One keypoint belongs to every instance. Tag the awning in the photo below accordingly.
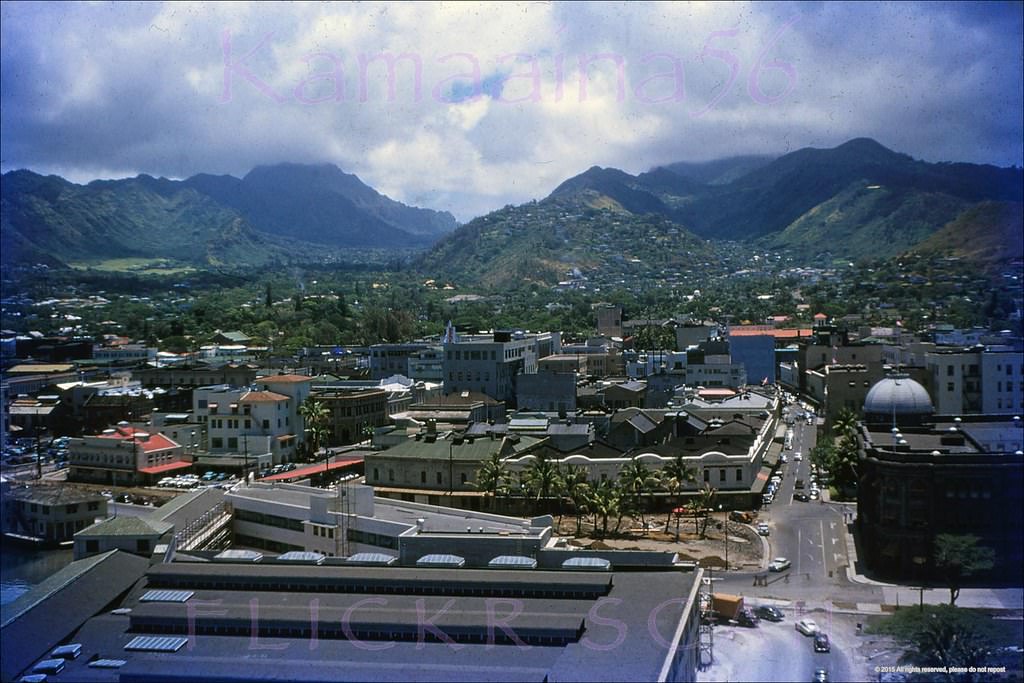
(302, 472)
(285, 437)
(166, 467)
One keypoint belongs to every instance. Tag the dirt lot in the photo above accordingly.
(746, 549)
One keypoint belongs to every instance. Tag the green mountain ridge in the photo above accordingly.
(282, 212)
(856, 200)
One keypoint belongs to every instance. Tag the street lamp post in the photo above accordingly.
(451, 470)
(725, 525)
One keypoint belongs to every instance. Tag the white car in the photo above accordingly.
(779, 564)
(798, 456)
(807, 627)
(762, 528)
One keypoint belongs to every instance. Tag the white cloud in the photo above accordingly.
(139, 88)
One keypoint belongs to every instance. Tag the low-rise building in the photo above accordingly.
(352, 413)
(125, 455)
(50, 514)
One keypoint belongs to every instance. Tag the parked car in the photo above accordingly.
(779, 564)
(821, 643)
(807, 627)
(802, 497)
(769, 613)
(820, 676)
(762, 528)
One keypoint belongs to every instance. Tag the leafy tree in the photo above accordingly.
(959, 556)
(943, 636)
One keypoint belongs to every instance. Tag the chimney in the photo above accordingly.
(431, 426)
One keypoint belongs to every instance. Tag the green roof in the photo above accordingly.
(126, 526)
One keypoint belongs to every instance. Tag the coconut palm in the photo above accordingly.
(675, 475)
(578, 490)
(702, 505)
(845, 423)
(315, 416)
(493, 476)
(542, 479)
(605, 499)
(636, 479)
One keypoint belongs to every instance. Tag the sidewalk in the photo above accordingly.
(896, 595)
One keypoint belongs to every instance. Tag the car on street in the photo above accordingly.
(814, 494)
(807, 627)
(820, 676)
(802, 497)
(779, 564)
(762, 528)
(798, 456)
(783, 459)
(821, 643)
(769, 613)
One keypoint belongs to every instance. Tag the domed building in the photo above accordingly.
(921, 474)
(899, 400)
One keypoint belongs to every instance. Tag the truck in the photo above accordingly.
(730, 608)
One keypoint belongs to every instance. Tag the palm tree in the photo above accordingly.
(578, 489)
(704, 502)
(674, 476)
(493, 476)
(542, 478)
(604, 502)
(845, 423)
(636, 478)
(315, 415)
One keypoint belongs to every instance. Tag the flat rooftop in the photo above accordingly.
(469, 625)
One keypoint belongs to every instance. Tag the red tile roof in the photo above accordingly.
(262, 397)
(769, 331)
(276, 379)
(154, 442)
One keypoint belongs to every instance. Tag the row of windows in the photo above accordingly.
(722, 477)
(369, 538)
(269, 520)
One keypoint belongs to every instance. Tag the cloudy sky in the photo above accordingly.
(496, 104)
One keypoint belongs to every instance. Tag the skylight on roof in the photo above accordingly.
(156, 643)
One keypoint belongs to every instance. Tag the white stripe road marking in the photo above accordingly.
(824, 560)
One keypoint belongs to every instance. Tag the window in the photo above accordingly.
(423, 477)
(739, 474)
(950, 386)
(233, 442)
(949, 370)
(391, 474)
(721, 475)
(439, 480)
(217, 442)
(376, 474)
(92, 546)
(248, 424)
(142, 545)
(463, 477)
(266, 424)
(707, 475)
